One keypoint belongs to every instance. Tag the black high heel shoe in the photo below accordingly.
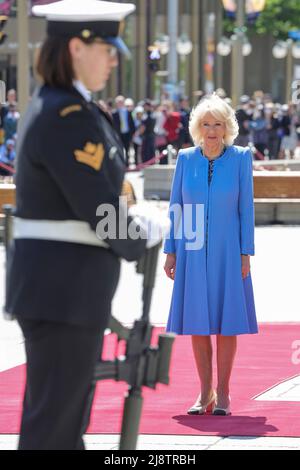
(217, 411)
(201, 409)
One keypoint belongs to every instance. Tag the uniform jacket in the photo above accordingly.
(69, 161)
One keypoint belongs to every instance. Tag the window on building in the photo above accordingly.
(186, 6)
(161, 8)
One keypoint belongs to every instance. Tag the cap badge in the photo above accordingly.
(86, 33)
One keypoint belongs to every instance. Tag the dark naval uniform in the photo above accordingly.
(61, 276)
(70, 161)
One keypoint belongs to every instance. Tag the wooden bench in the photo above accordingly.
(277, 184)
(7, 196)
(277, 197)
(276, 193)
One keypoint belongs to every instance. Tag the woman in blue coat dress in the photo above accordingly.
(209, 247)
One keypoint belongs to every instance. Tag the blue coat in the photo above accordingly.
(209, 294)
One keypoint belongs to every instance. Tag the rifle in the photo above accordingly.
(144, 365)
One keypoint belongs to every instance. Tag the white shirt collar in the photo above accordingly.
(82, 90)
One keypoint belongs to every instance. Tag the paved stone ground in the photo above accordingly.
(275, 275)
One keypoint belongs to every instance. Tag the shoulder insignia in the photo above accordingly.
(92, 155)
(70, 109)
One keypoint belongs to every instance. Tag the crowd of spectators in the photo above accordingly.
(147, 128)
(273, 128)
(9, 118)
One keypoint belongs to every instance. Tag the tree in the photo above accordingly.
(278, 18)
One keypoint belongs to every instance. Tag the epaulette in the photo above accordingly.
(70, 109)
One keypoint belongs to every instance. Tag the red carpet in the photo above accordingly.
(262, 361)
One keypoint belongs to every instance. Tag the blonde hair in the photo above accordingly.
(220, 110)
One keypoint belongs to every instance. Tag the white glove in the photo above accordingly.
(152, 220)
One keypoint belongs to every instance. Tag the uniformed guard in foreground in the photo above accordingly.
(61, 277)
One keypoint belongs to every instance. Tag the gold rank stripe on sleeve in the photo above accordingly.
(70, 109)
(92, 155)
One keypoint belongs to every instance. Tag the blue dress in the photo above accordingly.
(212, 224)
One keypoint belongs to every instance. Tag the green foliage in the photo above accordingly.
(278, 18)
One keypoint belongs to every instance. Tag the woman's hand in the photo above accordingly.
(245, 265)
(170, 266)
